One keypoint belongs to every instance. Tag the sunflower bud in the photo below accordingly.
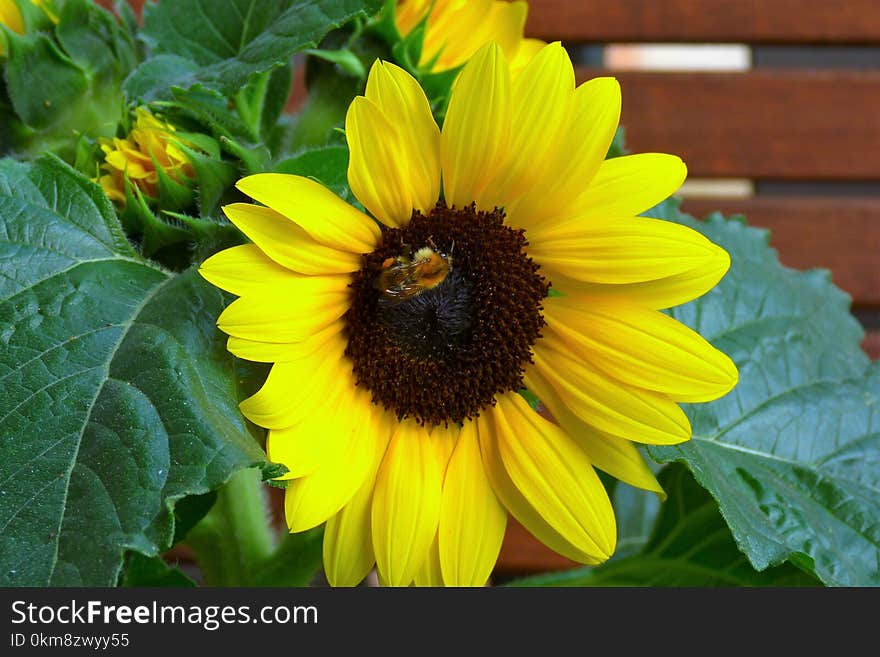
(150, 158)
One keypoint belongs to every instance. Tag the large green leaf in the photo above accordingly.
(119, 395)
(690, 545)
(792, 454)
(231, 40)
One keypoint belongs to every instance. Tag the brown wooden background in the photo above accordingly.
(813, 128)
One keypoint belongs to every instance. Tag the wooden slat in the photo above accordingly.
(761, 124)
(871, 345)
(840, 234)
(765, 21)
(522, 553)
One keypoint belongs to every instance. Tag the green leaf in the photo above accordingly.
(156, 75)
(636, 512)
(152, 571)
(792, 454)
(93, 39)
(231, 40)
(41, 80)
(328, 165)
(690, 546)
(107, 418)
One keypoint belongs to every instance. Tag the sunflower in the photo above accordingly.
(150, 147)
(456, 29)
(401, 345)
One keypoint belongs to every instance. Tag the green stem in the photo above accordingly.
(233, 542)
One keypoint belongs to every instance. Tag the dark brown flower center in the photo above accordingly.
(444, 314)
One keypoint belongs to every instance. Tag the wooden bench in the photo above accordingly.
(812, 129)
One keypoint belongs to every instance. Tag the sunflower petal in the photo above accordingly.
(283, 400)
(616, 456)
(576, 157)
(527, 49)
(314, 208)
(541, 95)
(474, 141)
(472, 520)
(348, 536)
(245, 269)
(286, 243)
(346, 463)
(555, 479)
(631, 184)
(406, 505)
(514, 501)
(642, 347)
(624, 250)
(280, 352)
(378, 172)
(348, 542)
(292, 312)
(297, 448)
(430, 573)
(608, 405)
(404, 104)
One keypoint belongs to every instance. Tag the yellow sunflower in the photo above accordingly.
(151, 145)
(401, 342)
(456, 29)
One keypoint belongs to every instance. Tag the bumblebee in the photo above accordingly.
(408, 275)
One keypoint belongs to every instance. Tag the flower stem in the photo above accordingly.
(235, 539)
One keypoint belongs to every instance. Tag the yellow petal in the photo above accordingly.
(629, 185)
(616, 456)
(247, 270)
(541, 96)
(346, 462)
(403, 103)
(474, 24)
(348, 536)
(527, 49)
(303, 447)
(406, 504)
(280, 352)
(314, 208)
(348, 542)
(449, 32)
(623, 250)
(292, 312)
(609, 405)
(474, 142)
(288, 244)
(430, 573)
(472, 520)
(378, 172)
(293, 388)
(642, 347)
(555, 478)
(658, 294)
(576, 157)
(408, 14)
(514, 501)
